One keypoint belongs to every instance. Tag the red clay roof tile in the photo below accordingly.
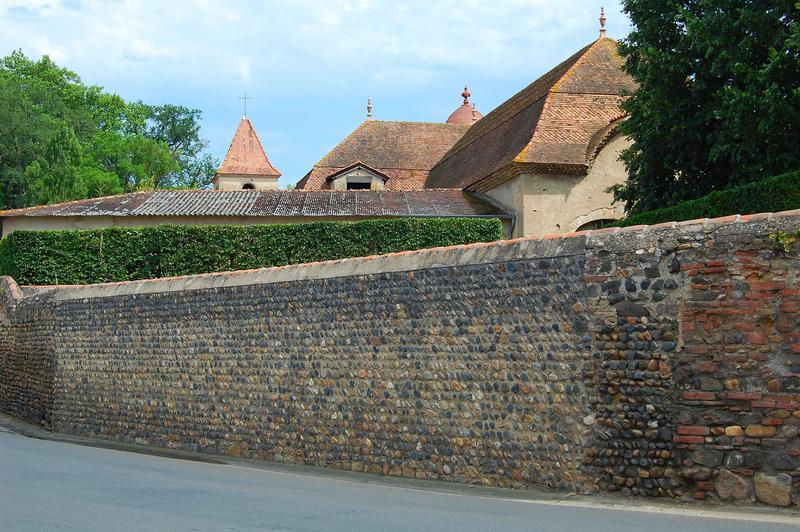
(547, 126)
(404, 151)
(246, 155)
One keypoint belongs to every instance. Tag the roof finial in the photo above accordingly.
(602, 23)
(369, 108)
(474, 113)
(465, 95)
(245, 98)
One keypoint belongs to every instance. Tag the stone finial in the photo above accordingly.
(369, 108)
(602, 23)
(474, 113)
(465, 95)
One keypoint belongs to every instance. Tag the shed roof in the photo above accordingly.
(270, 203)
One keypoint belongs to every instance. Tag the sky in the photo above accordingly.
(308, 65)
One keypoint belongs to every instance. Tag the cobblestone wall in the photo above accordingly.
(26, 355)
(659, 362)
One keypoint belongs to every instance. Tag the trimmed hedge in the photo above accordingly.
(128, 253)
(773, 194)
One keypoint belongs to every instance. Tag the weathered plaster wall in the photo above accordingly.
(660, 362)
(237, 182)
(547, 203)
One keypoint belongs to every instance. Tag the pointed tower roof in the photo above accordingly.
(246, 155)
(547, 127)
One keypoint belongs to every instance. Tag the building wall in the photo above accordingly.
(660, 362)
(546, 203)
(62, 223)
(237, 182)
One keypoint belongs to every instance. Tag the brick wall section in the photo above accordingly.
(657, 361)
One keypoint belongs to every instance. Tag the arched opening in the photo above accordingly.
(596, 224)
(248, 186)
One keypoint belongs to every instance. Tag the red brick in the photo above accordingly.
(695, 266)
(766, 285)
(764, 403)
(772, 422)
(756, 338)
(699, 396)
(714, 263)
(745, 396)
(693, 430)
(758, 295)
(697, 349)
(706, 367)
(795, 348)
(744, 326)
(688, 439)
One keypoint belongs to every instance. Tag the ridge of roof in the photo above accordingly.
(241, 158)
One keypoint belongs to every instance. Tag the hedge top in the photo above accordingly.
(774, 194)
(129, 253)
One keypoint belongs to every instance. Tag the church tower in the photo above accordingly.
(246, 166)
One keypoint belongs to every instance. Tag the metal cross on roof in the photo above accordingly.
(245, 98)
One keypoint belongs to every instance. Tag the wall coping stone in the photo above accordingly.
(547, 246)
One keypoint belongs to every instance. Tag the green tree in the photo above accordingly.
(61, 139)
(718, 102)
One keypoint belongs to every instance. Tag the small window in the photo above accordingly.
(248, 186)
(596, 224)
(358, 186)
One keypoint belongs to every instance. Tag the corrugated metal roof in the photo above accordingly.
(269, 203)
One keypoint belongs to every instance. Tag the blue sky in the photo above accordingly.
(309, 65)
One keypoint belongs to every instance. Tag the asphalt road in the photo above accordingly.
(47, 485)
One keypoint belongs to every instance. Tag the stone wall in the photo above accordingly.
(27, 354)
(659, 361)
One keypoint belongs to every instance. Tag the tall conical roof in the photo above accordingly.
(246, 155)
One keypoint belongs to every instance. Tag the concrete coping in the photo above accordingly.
(551, 245)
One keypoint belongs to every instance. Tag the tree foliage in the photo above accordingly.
(61, 139)
(718, 102)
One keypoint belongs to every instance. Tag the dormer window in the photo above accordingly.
(358, 177)
(248, 186)
(359, 185)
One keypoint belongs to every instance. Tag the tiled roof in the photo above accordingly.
(404, 151)
(547, 126)
(246, 155)
(269, 203)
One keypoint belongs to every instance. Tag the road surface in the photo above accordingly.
(48, 485)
